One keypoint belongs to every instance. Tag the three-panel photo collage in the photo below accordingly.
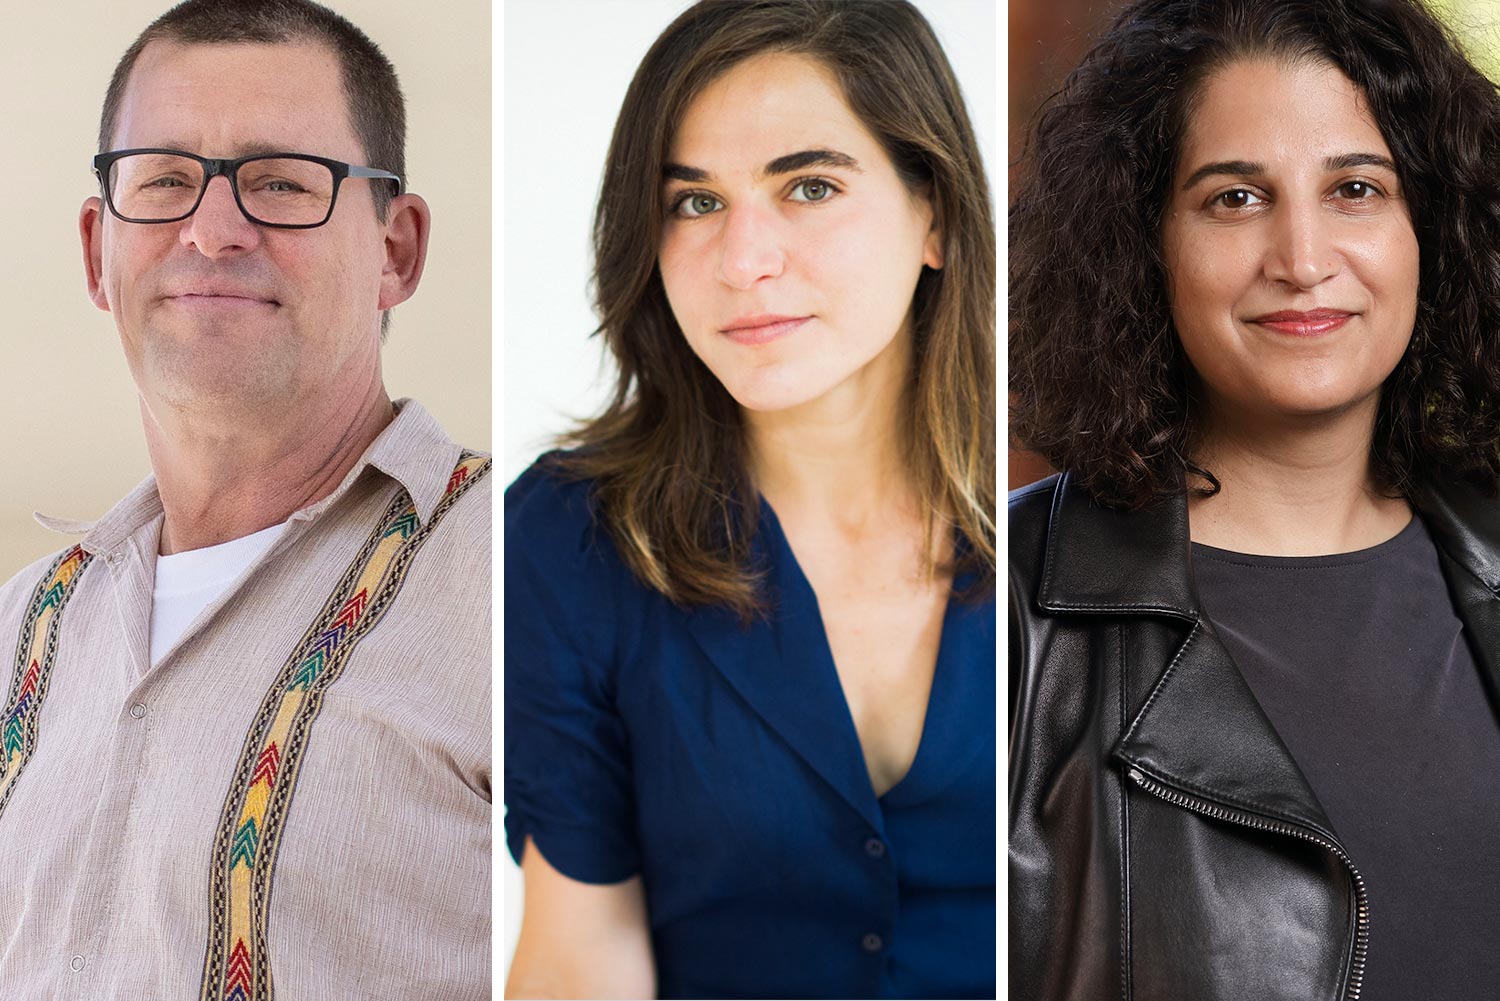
(502, 500)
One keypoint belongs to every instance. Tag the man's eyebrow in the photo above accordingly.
(239, 150)
(1242, 168)
(786, 164)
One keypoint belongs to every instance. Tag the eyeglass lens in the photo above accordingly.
(155, 187)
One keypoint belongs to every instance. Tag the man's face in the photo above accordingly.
(219, 315)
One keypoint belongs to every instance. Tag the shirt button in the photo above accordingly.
(872, 942)
(76, 964)
(875, 848)
(113, 559)
(138, 710)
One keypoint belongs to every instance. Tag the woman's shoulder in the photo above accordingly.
(550, 507)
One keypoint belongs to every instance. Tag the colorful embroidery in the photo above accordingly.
(236, 967)
(35, 652)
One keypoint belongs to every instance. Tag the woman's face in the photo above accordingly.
(1291, 258)
(791, 247)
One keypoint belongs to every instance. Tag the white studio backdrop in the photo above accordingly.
(567, 64)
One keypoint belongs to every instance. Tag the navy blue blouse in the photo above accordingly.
(721, 763)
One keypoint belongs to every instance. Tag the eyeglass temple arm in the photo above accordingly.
(380, 175)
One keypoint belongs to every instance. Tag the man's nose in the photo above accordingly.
(218, 227)
(750, 247)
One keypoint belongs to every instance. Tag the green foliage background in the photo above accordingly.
(1476, 23)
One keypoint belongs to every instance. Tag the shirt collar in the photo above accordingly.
(413, 450)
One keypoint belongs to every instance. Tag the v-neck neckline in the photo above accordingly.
(797, 591)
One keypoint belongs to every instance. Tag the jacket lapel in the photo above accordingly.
(1466, 527)
(784, 670)
(1200, 728)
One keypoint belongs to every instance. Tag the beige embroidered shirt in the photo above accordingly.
(116, 776)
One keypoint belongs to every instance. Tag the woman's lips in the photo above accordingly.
(752, 330)
(1304, 324)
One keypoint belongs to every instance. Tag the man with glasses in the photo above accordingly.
(244, 751)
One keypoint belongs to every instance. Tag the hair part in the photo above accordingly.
(669, 455)
(1099, 383)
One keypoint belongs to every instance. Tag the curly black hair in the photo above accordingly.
(1099, 383)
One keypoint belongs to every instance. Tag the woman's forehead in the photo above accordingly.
(765, 107)
(1277, 112)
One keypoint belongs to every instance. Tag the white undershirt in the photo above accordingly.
(187, 583)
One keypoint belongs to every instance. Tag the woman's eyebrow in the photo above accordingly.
(810, 158)
(1346, 160)
(1243, 168)
(1233, 168)
(785, 164)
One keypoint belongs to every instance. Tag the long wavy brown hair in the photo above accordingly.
(668, 456)
(1100, 386)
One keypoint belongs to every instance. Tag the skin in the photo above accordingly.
(1303, 215)
(258, 398)
(823, 405)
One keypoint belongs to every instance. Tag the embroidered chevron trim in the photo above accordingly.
(35, 651)
(236, 966)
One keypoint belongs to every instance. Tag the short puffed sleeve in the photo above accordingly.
(567, 770)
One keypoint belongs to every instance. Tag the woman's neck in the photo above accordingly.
(1302, 487)
(840, 458)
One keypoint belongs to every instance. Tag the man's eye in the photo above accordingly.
(165, 182)
(279, 187)
(693, 205)
(814, 189)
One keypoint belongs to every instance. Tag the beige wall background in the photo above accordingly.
(71, 434)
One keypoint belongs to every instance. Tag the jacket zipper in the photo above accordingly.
(1214, 810)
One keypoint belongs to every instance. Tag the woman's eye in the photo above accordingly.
(1358, 189)
(694, 205)
(812, 190)
(1235, 198)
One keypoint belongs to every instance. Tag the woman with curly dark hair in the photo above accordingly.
(1255, 633)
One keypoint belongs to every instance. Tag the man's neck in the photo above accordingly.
(1302, 488)
(222, 482)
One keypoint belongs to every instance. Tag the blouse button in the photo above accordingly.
(76, 964)
(138, 710)
(872, 942)
(875, 848)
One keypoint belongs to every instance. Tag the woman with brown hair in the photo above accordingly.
(749, 674)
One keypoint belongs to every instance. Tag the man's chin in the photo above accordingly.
(219, 384)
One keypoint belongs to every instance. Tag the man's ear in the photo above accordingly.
(91, 233)
(408, 222)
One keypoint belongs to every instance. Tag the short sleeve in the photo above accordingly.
(567, 772)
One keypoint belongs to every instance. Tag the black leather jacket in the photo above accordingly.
(1163, 843)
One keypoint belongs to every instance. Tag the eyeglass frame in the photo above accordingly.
(229, 170)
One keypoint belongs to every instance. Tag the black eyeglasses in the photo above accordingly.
(284, 190)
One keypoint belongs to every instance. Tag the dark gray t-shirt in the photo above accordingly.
(1361, 664)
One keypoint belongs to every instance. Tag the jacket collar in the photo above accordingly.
(1103, 560)
(1201, 729)
(1465, 525)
